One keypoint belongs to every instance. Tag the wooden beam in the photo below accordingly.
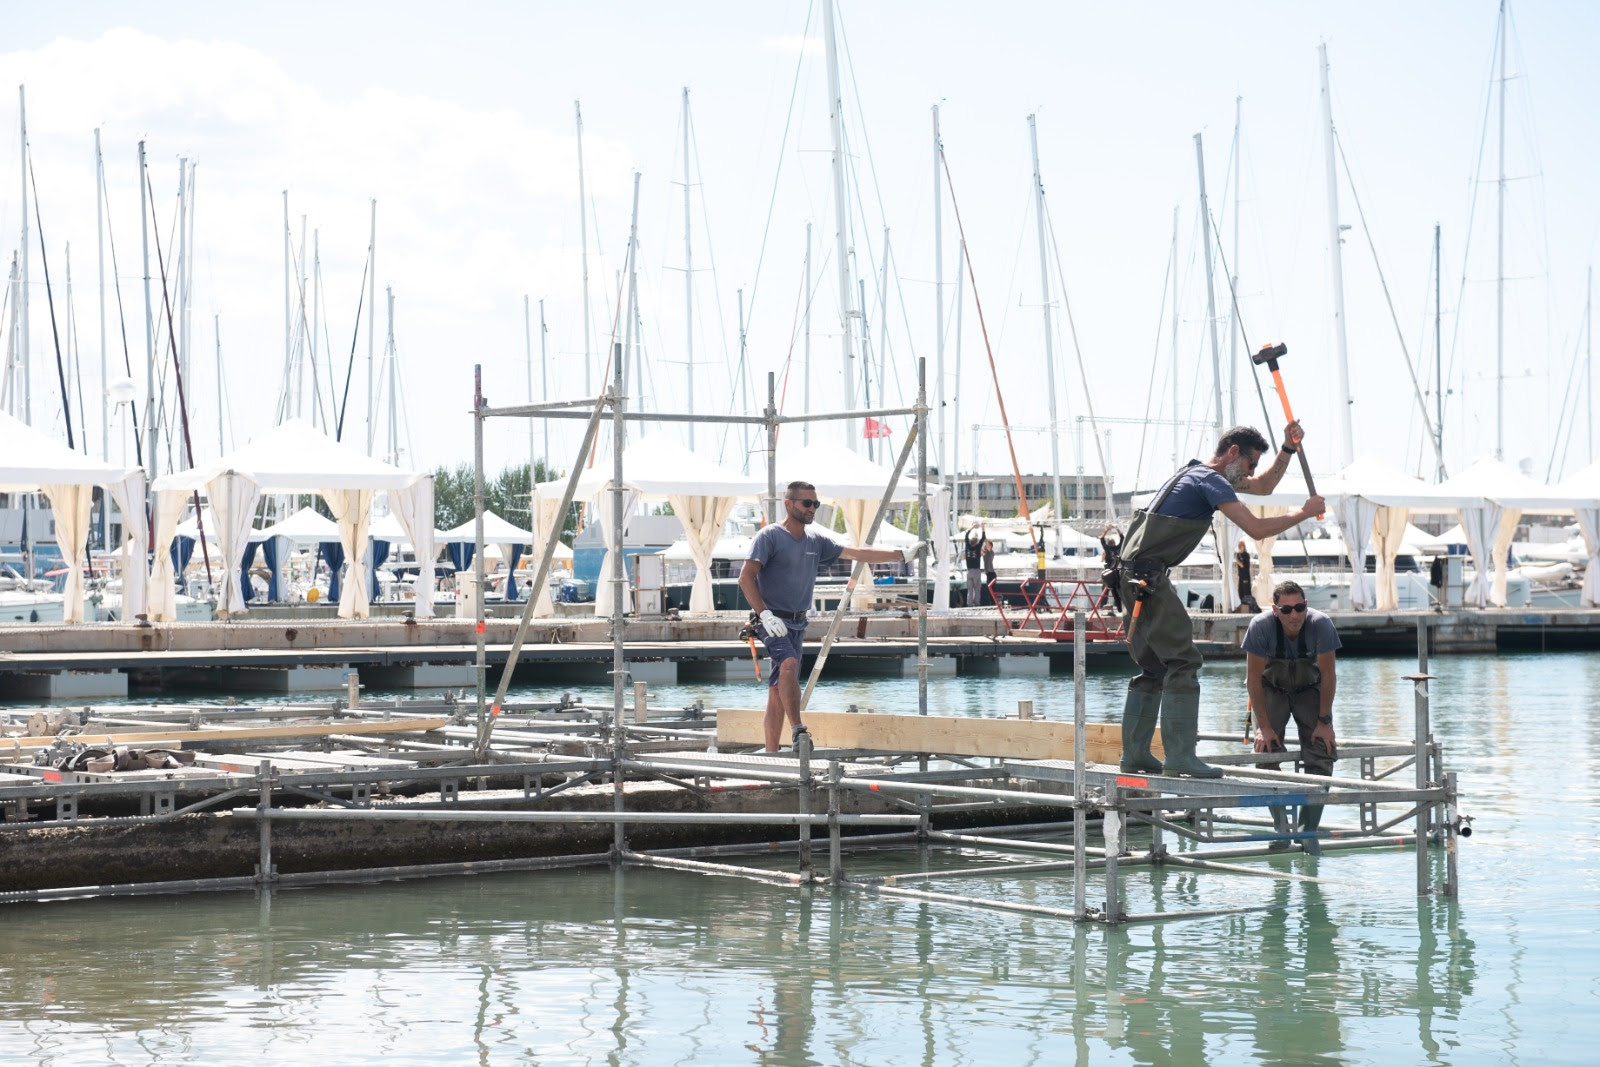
(956, 736)
(232, 733)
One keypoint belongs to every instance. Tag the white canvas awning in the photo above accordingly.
(295, 457)
(31, 461)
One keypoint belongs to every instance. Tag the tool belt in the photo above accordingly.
(1142, 572)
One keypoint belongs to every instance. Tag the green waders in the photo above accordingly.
(1161, 641)
(1293, 688)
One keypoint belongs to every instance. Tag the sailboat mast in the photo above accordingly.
(805, 427)
(1211, 294)
(1500, 263)
(1049, 344)
(1336, 268)
(372, 310)
(216, 331)
(744, 389)
(544, 372)
(180, 264)
(1588, 357)
(527, 351)
(631, 339)
(149, 323)
(100, 239)
(955, 403)
(288, 350)
(938, 308)
(583, 229)
(24, 350)
(1233, 324)
(394, 382)
(688, 269)
(1177, 423)
(1438, 354)
(852, 429)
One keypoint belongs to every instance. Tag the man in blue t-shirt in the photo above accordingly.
(1290, 652)
(1160, 636)
(777, 579)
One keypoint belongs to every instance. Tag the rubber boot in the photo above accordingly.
(1310, 819)
(1139, 717)
(1180, 729)
(1280, 824)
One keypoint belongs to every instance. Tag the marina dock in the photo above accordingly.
(311, 655)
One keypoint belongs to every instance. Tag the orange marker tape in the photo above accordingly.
(1136, 783)
(480, 627)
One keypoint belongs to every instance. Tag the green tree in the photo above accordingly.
(507, 494)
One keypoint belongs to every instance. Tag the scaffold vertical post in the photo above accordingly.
(1420, 688)
(1113, 826)
(1451, 835)
(802, 750)
(619, 585)
(1080, 754)
(264, 872)
(835, 860)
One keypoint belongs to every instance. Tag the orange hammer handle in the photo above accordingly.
(1288, 413)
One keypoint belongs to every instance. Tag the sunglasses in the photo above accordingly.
(1286, 609)
(806, 503)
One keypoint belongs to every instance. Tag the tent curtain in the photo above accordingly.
(1589, 523)
(1262, 586)
(1389, 529)
(380, 554)
(1502, 552)
(1480, 525)
(858, 513)
(1354, 515)
(233, 502)
(269, 553)
(71, 505)
(332, 552)
(703, 518)
(414, 508)
(546, 524)
(162, 593)
(128, 494)
(245, 585)
(352, 510)
(605, 589)
(511, 572)
(461, 553)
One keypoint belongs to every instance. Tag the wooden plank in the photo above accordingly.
(957, 736)
(237, 733)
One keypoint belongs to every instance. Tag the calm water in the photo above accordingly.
(647, 967)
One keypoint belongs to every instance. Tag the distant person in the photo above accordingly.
(777, 580)
(1160, 636)
(1241, 573)
(972, 546)
(1110, 559)
(988, 563)
(1290, 670)
(1436, 579)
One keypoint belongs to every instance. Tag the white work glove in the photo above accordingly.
(910, 552)
(776, 627)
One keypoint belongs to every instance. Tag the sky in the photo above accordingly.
(461, 126)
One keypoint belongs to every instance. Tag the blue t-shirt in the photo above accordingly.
(1317, 636)
(789, 566)
(1198, 493)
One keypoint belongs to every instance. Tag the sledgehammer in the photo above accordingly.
(1269, 355)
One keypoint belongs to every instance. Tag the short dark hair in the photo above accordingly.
(1246, 437)
(1287, 589)
(795, 487)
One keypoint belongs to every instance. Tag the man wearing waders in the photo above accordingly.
(1289, 654)
(1160, 638)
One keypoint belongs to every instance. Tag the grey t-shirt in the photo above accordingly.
(1197, 493)
(789, 565)
(1317, 636)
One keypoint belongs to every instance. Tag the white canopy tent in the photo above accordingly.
(33, 462)
(1503, 494)
(1371, 501)
(305, 527)
(658, 468)
(295, 457)
(1586, 484)
(856, 485)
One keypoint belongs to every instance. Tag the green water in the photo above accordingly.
(654, 967)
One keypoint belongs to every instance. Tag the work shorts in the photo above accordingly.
(784, 648)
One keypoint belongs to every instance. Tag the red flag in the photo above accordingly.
(874, 428)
